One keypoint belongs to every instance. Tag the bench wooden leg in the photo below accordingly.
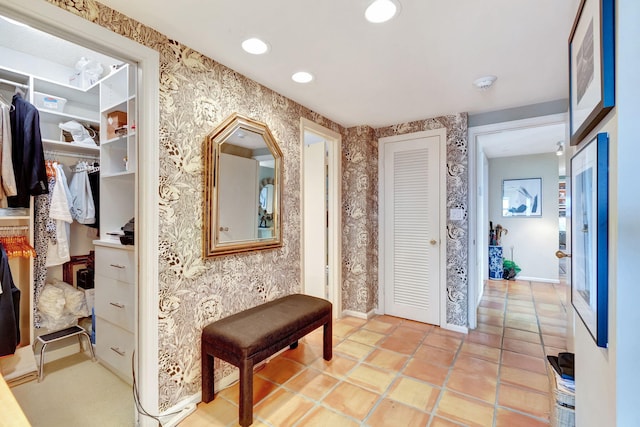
(293, 346)
(246, 393)
(327, 337)
(207, 377)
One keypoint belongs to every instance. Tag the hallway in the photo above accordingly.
(389, 371)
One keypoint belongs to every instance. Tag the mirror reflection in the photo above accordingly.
(242, 169)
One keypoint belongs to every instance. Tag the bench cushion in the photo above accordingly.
(255, 329)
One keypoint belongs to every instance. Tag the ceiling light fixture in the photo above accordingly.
(255, 46)
(560, 150)
(302, 77)
(381, 11)
(484, 83)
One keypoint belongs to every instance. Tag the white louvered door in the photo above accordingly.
(411, 229)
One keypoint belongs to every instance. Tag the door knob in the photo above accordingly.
(433, 241)
(561, 255)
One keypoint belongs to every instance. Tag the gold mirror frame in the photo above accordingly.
(214, 243)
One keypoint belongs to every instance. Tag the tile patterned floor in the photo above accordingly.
(394, 372)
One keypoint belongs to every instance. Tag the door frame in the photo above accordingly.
(334, 148)
(442, 133)
(54, 20)
(478, 206)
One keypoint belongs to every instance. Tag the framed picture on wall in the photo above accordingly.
(589, 236)
(591, 67)
(522, 197)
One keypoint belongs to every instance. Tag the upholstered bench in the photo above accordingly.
(246, 338)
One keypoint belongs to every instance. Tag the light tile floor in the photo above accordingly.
(394, 372)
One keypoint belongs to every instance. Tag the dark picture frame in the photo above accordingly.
(591, 67)
(590, 236)
(522, 197)
(77, 262)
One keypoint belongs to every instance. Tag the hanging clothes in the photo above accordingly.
(27, 153)
(7, 176)
(82, 208)
(94, 182)
(9, 308)
(60, 210)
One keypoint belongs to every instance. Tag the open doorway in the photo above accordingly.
(503, 140)
(321, 213)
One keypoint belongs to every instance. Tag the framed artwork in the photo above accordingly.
(589, 236)
(78, 262)
(591, 67)
(522, 197)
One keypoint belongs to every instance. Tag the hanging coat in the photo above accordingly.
(27, 153)
(9, 308)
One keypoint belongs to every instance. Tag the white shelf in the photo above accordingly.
(49, 115)
(118, 138)
(117, 174)
(51, 144)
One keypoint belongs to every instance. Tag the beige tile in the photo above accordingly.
(385, 359)
(523, 361)
(280, 370)
(524, 400)
(522, 317)
(218, 412)
(465, 410)
(283, 408)
(390, 413)
(354, 349)
(323, 417)
(523, 347)
(399, 345)
(443, 341)
(441, 422)
(554, 341)
(364, 336)
(379, 326)
(437, 356)
(419, 326)
(414, 393)
(557, 331)
(312, 383)
(491, 320)
(496, 305)
(522, 335)
(507, 418)
(337, 367)
(489, 340)
(392, 320)
(489, 329)
(475, 365)
(523, 378)
(351, 400)
(480, 351)
(480, 386)
(425, 371)
(305, 353)
(343, 329)
(522, 325)
(371, 378)
(490, 311)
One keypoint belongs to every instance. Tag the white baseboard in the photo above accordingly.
(455, 328)
(359, 314)
(537, 279)
(177, 413)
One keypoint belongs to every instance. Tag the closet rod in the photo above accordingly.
(9, 82)
(14, 228)
(69, 154)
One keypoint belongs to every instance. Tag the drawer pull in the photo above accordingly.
(117, 350)
(117, 304)
(122, 267)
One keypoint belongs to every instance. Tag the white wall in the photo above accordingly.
(534, 240)
(607, 380)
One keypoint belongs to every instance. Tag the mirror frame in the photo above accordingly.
(212, 245)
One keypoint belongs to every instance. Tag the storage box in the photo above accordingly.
(116, 120)
(49, 102)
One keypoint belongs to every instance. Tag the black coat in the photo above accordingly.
(9, 308)
(27, 154)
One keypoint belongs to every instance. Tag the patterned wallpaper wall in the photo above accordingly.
(196, 94)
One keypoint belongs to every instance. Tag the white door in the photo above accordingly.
(412, 228)
(238, 193)
(315, 220)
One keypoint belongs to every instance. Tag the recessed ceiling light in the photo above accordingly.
(302, 77)
(381, 11)
(484, 83)
(255, 46)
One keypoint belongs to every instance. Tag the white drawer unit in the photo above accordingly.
(115, 307)
(114, 347)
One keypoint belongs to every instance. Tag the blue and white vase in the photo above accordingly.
(496, 267)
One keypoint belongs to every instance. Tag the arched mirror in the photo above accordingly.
(243, 167)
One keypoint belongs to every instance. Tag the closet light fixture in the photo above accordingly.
(560, 149)
(255, 46)
(302, 77)
(484, 83)
(381, 11)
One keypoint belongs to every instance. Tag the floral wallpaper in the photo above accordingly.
(196, 94)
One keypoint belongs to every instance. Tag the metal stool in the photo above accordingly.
(73, 331)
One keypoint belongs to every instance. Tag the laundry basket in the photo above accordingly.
(563, 401)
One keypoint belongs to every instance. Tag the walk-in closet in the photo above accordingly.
(67, 224)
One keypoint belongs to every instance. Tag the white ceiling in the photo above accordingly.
(419, 65)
